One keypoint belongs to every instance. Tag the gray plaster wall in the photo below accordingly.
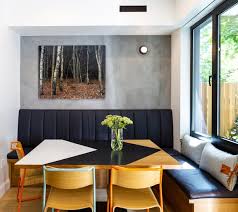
(133, 81)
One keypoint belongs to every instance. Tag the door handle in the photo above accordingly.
(210, 80)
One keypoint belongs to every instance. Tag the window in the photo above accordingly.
(228, 85)
(202, 70)
(215, 74)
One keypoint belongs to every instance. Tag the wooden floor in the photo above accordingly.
(8, 202)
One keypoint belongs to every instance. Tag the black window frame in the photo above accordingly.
(214, 15)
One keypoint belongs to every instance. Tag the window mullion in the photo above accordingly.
(215, 75)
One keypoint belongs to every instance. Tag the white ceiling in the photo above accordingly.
(93, 17)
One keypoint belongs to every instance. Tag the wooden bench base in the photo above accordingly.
(178, 201)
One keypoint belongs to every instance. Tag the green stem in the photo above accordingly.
(117, 134)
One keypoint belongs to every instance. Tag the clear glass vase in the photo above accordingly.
(117, 139)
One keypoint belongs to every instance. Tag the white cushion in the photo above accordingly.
(212, 160)
(192, 148)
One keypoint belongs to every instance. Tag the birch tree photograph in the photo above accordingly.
(72, 72)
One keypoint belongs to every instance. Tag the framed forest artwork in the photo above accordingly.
(72, 72)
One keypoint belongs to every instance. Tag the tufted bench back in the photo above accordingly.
(74, 125)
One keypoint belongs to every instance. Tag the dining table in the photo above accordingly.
(61, 153)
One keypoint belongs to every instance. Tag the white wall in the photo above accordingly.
(187, 13)
(9, 94)
(180, 83)
(175, 85)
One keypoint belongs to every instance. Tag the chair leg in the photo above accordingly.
(20, 193)
(18, 188)
(19, 200)
(110, 208)
(108, 205)
(147, 210)
(161, 192)
(161, 199)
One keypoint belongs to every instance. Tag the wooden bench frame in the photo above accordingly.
(178, 200)
(13, 172)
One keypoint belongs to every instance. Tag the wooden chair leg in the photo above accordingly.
(161, 192)
(147, 210)
(18, 189)
(19, 200)
(20, 193)
(108, 205)
(161, 199)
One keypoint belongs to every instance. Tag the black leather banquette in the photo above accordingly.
(76, 125)
(198, 184)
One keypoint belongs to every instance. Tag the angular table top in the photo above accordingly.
(135, 153)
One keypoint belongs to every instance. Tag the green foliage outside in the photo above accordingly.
(233, 132)
(228, 50)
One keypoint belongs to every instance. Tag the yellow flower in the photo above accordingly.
(116, 121)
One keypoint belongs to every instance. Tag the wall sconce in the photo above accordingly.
(143, 50)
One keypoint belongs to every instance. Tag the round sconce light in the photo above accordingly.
(143, 50)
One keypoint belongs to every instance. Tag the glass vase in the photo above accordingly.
(117, 139)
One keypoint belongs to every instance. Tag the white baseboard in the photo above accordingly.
(4, 187)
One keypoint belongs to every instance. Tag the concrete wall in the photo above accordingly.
(132, 80)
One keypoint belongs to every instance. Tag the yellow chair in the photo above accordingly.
(27, 177)
(130, 188)
(71, 188)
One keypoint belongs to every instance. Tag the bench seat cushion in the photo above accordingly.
(13, 154)
(197, 184)
(171, 151)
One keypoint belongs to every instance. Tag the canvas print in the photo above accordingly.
(72, 72)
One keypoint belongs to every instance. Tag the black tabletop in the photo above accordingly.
(105, 156)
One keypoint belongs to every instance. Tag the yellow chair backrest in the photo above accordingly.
(136, 178)
(70, 179)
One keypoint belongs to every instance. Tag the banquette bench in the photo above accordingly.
(76, 125)
(185, 190)
(192, 189)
